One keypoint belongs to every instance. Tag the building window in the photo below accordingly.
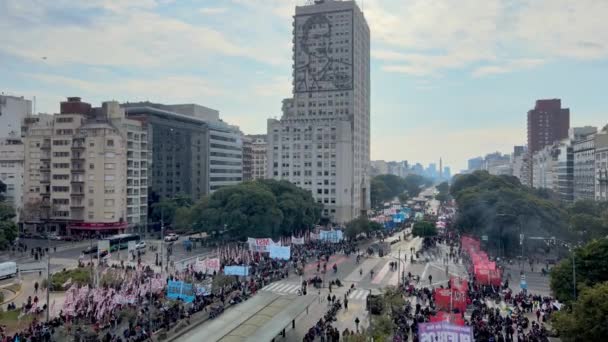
(108, 203)
(110, 143)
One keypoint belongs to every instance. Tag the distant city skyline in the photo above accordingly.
(440, 86)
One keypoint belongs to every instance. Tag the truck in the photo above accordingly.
(8, 269)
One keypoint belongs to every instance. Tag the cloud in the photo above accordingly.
(123, 36)
(428, 37)
(278, 86)
(213, 10)
(508, 66)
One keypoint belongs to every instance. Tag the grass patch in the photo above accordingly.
(14, 287)
(13, 323)
(80, 275)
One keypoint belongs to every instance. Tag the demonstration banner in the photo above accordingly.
(207, 266)
(431, 332)
(297, 241)
(260, 245)
(278, 252)
(331, 235)
(236, 270)
(180, 290)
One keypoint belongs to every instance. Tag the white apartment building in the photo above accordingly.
(13, 110)
(259, 149)
(543, 168)
(11, 171)
(584, 167)
(77, 170)
(322, 141)
(225, 155)
(601, 165)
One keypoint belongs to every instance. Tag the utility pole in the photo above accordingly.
(162, 240)
(48, 278)
(399, 267)
(573, 273)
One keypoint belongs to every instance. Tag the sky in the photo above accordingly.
(450, 79)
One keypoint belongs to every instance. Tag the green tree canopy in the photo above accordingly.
(424, 229)
(443, 190)
(588, 320)
(591, 265)
(501, 207)
(387, 187)
(262, 208)
(8, 228)
(360, 225)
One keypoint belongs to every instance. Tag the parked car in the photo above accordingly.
(140, 245)
(55, 237)
(171, 237)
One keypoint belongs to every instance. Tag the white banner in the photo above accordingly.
(207, 265)
(260, 245)
(297, 241)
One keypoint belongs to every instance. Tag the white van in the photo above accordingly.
(8, 269)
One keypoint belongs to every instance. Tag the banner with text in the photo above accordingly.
(207, 266)
(297, 241)
(278, 252)
(259, 245)
(331, 235)
(180, 290)
(431, 332)
(236, 270)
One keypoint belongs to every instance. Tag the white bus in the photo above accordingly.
(8, 269)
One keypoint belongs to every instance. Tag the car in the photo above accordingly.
(55, 237)
(90, 249)
(171, 237)
(140, 245)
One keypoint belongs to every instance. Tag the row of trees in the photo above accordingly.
(501, 208)
(261, 208)
(8, 228)
(584, 318)
(386, 187)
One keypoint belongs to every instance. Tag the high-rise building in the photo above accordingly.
(11, 171)
(247, 158)
(13, 110)
(601, 165)
(474, 164)
(563, 172)
(193, 151)
(322, 141)
(259, 150)
(583, 148)
(81, 173)
(548, 122)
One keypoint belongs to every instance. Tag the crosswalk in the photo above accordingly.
(282, 288)
(358, 295)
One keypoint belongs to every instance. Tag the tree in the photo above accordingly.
(2, 190)
(443, 192)
(424, 229)
(166, 209)
(587, 319)
(591, 264)
(8, 228)
(262, 208)
(361, 225)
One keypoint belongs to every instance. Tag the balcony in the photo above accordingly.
(78, 146)
(77, 168)
(77, 205)
(45, 146)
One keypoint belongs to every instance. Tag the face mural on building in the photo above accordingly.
(318, 66)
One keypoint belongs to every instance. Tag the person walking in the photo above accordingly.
(345, 304)
(36, 287)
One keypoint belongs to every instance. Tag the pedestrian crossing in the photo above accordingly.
(282, 288)
(358, 295)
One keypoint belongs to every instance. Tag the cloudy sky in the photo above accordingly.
(449, 78)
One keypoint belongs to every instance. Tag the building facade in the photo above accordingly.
(543, 168)
(321, 143)
(11, 171)
(192, 151)
(563, 170)
(247, 158)
(79, 171)
(583, 149)
(601, 165)
(548, 122)
(13, 110)
(259, 149)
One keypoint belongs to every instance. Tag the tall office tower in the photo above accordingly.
(548, 122)
(322, 142)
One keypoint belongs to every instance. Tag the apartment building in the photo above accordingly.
(11, 171)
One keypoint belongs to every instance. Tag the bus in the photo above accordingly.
(121, 241)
